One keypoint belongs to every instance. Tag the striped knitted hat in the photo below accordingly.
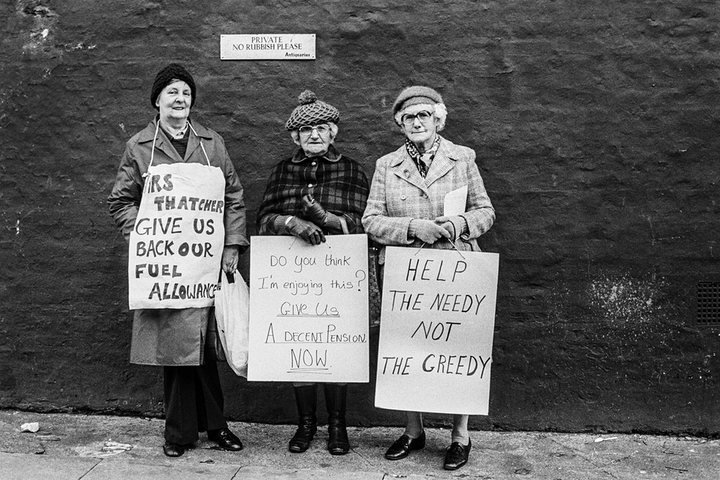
(311, 111)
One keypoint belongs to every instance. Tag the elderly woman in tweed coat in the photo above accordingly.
(405, 208)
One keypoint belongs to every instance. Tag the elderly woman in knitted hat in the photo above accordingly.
(314, 192)
(171, 162)
(405, 208)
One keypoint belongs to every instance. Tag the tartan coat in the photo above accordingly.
(336, 181)
(173, 337)
(398, 194)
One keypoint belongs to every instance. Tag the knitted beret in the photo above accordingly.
(166, 76)
(311, 111)
(416, 95)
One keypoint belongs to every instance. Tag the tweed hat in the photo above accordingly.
(166, 76)
(311, 111)
(416, 95)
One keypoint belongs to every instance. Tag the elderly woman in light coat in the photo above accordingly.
(405, 208)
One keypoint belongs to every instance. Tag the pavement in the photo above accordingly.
(94, 447)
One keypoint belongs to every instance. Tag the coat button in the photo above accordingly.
(310, 185)
(403, 197)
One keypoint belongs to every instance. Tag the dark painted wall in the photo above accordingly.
(596, 130)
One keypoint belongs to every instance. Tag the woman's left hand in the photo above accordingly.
(455, 225)
(230, 257)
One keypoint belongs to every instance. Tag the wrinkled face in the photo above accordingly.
(419, 124)
(174, 102)
(316, 139)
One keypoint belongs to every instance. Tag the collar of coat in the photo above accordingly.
(445, 159)
(164, 144)
(332, 155)
(147, 134)
(446, 149)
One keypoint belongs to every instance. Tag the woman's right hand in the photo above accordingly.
(427, 230)
(308, 231)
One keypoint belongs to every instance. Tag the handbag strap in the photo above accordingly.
(343, 223)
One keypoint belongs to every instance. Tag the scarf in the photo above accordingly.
(422, 160)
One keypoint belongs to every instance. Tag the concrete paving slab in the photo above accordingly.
(495, 455)
(37, 467)
(263, 473)
(113, 469)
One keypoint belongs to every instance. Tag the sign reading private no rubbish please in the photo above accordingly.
(436, 331)
(268, 46)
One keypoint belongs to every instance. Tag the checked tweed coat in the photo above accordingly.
(398, 194)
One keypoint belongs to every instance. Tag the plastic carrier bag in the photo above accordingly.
(232, 302)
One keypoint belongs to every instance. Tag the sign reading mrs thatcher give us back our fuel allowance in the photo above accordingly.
(268, 46)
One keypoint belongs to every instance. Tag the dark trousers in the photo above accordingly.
(193, 402)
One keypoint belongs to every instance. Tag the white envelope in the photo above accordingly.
(455, 201)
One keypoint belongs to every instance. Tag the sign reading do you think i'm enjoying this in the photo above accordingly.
(309, 309)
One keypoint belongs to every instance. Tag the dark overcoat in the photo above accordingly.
(173, 336)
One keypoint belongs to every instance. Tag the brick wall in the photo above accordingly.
(595, 126)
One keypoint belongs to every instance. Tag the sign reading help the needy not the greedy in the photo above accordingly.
(436, 331)
(177, 242)
(309, 309)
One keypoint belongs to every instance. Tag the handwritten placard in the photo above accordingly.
(309, 309)
(267, 46)
(436, 331)
(177, 241)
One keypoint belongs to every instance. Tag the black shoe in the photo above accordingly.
(306, 402)
(336, 400)
(457, 455)
(338, 443)
(173, 449)
(225, 439)
(402, 446)
(303, 435)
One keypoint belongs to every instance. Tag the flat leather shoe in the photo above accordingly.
(457, 455)
(225, 439)
(402, 446)
(173, 449)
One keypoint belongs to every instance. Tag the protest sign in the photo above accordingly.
(436, 331)
(177, 242)
(309, 309)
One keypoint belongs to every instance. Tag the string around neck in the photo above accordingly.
(152, 151)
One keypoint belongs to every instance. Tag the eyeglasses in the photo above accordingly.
(320, 129)
(409, 119)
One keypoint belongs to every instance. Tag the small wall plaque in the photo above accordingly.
(268, 46)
